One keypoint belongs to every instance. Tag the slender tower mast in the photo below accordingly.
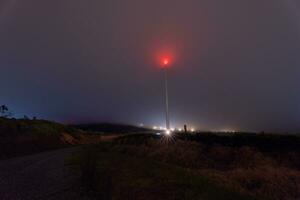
(165, 63)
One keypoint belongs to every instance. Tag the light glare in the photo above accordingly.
(166, 61)
(168, 132)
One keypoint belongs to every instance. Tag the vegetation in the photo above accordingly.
(108, 172)
(185, 166)
(4, 111)
(23, 136)
(198, 166)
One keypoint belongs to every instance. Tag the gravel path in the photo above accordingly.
(40, 176)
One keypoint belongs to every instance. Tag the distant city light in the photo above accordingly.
(192, 130)
(155, 127)
(180, 129)
(227, 131)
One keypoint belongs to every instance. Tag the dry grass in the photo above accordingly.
(110, 172)
(244, 169)
(20, 137)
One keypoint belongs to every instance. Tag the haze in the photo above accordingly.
(236, 63)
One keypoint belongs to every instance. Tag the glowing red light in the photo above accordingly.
(166, 61)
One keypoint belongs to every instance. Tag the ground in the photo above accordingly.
(194, 167)
(40, 176)
(146, 167)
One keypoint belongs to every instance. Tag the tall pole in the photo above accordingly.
(166, 99)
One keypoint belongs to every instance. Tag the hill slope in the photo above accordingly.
(23, 136)
(111, 128)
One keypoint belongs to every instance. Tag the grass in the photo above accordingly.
(20, 137)
(148, 167)
(16, 127)
(109, 172)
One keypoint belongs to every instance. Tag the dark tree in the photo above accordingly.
(4, 112)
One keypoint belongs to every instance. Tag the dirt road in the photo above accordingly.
(39, 176)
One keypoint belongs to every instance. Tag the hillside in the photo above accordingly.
(111, 128)
(23, 136)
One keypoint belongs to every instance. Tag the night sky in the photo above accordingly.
(236, 63)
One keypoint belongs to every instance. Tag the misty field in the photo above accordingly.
(200, 166)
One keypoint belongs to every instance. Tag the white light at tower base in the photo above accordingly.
(168, 132)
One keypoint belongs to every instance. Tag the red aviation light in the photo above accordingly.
(165, 62)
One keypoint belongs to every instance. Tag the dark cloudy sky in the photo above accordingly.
(237, 63)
